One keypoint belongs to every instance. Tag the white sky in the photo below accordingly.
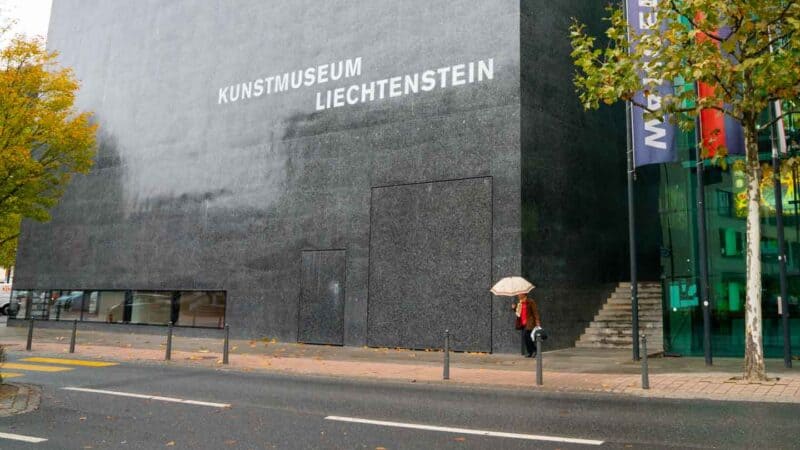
(32, 16)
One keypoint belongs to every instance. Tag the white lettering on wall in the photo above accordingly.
(353, 94)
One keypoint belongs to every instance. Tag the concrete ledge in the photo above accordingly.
(118, 328)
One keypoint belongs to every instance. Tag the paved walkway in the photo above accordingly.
(609, 371)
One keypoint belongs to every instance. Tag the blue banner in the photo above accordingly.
(653, 139)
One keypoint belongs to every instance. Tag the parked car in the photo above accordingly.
(69, 302)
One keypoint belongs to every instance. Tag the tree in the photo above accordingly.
(747, 51)
(43, 139)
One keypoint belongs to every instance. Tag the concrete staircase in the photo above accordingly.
(611, 327)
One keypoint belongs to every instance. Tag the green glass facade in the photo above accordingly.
(726, 231)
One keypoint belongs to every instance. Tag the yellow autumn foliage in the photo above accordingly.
(44, 140)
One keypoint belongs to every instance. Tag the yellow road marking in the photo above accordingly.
(5, 375)
(35, 367)
(69, 362)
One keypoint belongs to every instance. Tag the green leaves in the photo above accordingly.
(748, 49)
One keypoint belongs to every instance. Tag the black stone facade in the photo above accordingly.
(379, 223)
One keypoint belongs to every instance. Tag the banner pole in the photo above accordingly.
(632, 220)
(632, 238)
(783, 304)
(702, 256)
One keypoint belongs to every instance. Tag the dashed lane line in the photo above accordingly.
(5, 375)
(35, 367)
(20, 437)
(70, 362)
(149, 397)
(416, 426)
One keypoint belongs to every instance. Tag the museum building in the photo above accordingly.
(347, 173)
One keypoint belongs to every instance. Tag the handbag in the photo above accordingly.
(518, 324)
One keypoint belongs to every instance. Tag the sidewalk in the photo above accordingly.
(575, 370)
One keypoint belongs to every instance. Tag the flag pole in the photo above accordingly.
(702, 256)
(778, 134)
(632, 220)
(632, 237)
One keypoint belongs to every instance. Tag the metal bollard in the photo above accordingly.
(539, 375)
(446, 371)
(74, 335)
(225, 345)
(645, 374)
(168, 356)
(30, 335)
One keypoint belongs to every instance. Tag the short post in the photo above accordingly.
(168, 356)
(446, 372)
(30, 335)
(539, 374)
(225, 345)
(74, 334)
(645, 374)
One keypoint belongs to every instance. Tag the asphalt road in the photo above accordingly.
(293, 412)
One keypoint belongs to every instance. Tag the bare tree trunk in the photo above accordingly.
(754, 369)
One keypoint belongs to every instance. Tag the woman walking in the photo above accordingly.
(527, 319)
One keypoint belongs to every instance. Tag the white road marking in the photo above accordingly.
(149, 397)
(19, 437)
(531, 437)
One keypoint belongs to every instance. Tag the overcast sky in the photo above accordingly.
(32, 16)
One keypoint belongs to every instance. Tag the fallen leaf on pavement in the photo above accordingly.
(460, 439)
(171, 444)
(230, 442)
(83, 418)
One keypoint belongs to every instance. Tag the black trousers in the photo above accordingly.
(530, 346)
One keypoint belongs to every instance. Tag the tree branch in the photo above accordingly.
(777, 119)
(9, 238)
(694, 24)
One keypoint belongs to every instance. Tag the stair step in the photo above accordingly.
(611, 327)
(620, 315)
(627, 296)
(620, 332)
(628, 306)
(624, 324)
(641, 284)
(651, 349)
(610, 339)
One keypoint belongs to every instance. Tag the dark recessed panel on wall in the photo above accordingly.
(321, 310)
(430, 265)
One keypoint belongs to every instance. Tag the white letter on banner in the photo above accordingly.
(655, 134)
(653, 102)
(647, 20)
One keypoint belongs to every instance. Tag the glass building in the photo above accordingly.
(726, 209)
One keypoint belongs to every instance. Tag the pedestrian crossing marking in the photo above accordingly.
(35, 367)
(70, 362)
(5, 375)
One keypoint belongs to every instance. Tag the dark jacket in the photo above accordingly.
(533, 314)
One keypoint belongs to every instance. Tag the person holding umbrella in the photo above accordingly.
(525, 309)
